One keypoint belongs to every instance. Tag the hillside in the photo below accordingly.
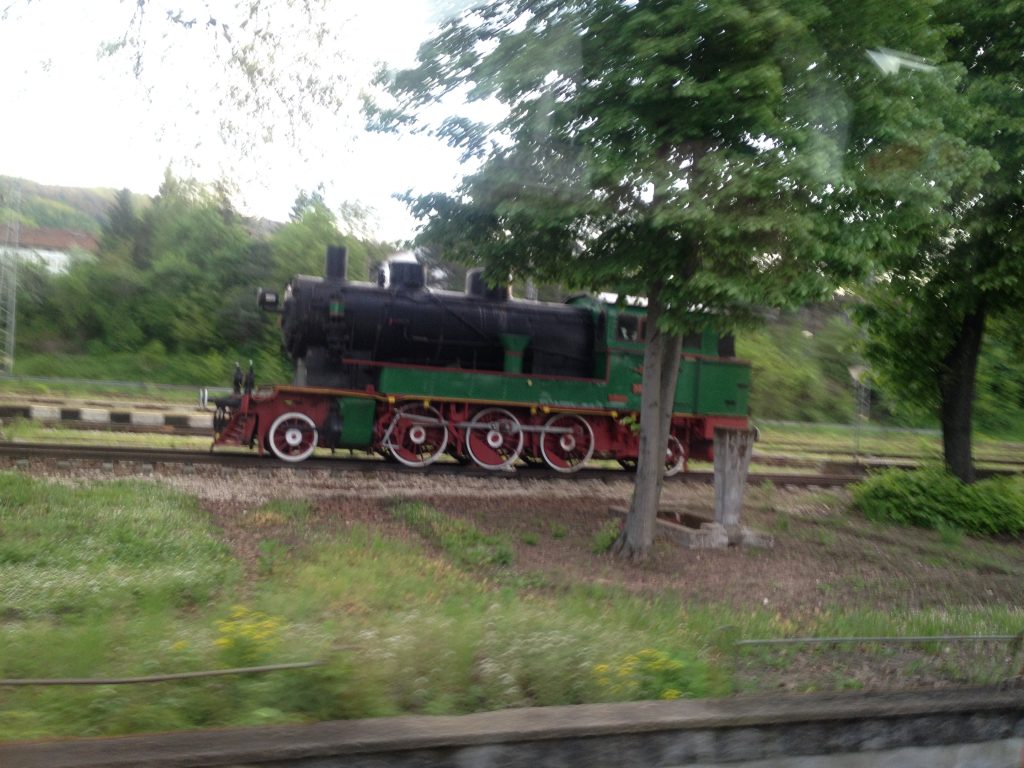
(54, 207)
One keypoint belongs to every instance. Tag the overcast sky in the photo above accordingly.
(75, 118)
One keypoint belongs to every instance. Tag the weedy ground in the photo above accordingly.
(426, 596)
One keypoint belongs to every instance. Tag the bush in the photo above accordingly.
(933, 498)
(606, 536)
(651, 674)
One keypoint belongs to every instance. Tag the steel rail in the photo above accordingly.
(107, 454)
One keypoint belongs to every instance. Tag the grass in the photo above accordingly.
(65, 551)
(79, 389)
(872, 439)
(28, 431)
(459, 539)
(121, 579)
(399, 629)
(604, 538)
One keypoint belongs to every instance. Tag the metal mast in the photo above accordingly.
(9, 281)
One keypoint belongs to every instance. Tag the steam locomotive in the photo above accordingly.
(416, 374)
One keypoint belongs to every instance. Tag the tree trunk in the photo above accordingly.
(660, 371)
(956, 391)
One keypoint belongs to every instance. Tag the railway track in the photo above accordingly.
(21, 454)
(786, 453)
(776, 455)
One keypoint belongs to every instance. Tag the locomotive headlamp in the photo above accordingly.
(267, 300)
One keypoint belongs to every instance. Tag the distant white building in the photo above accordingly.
(53, 247)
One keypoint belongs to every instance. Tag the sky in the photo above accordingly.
(73, 117)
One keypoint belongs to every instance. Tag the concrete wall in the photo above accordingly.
(962, 728)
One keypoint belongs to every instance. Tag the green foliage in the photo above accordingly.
(932, 498)
(55, 214)
(558, 531)
(651, 674)
(247, 638)
(50, 207)
(169, 297)
(151, 364)
(606, 536)
(271, 553)
(801, 365)
(299, 246)
(926, 317)
(999, 407)
(603, 185)
(799, 375)
(459, 539)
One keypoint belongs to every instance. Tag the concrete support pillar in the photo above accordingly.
(733, 448)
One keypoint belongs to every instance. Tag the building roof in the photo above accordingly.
(63, 240)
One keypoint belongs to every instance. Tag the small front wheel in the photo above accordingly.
(293, 437)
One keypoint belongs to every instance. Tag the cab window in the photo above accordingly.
(629, 328)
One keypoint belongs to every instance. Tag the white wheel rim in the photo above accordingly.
(293, 437)
(588, 433)
(500, 425)
(417, 435)
(677, 467)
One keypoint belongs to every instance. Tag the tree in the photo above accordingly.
(299, 246)
(926, 318)
(280, 63)
(269, 67)
(716, 158)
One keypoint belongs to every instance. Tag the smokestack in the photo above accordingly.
(477, 287)
(335, 263)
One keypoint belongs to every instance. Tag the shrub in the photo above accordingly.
(933, 498)
(651, 674)
(558, 531)
(247, 637)
(606, 536)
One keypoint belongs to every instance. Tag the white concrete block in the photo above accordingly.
(44, 412)
(201, 421)
(95, 415)
(147, 419)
